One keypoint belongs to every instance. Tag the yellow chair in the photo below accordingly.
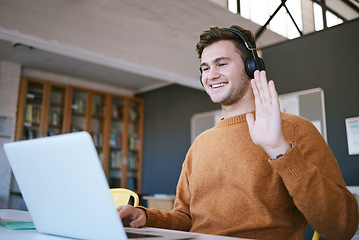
(121, 196)
(315, 236)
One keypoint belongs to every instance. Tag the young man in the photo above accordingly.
(259, 173)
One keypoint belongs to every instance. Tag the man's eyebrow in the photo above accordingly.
(215, 61)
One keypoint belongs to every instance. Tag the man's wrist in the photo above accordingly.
(281, 154)
(144, 210)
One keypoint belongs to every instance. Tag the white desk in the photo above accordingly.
(16, 215)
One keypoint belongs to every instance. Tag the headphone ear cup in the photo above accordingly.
(250, 66)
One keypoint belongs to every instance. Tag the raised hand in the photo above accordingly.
(266, 127)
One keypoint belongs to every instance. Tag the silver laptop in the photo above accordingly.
(66, 191)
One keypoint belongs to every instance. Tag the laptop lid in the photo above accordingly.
(64, 186)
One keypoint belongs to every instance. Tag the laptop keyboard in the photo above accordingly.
(140, 235)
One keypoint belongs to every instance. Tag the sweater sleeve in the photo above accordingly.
(313, 179)
(179, 217)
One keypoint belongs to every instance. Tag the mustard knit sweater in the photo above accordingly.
(228, 186)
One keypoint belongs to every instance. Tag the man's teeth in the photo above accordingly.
(218, 85)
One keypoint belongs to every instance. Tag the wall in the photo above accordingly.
(326, 59)
(168, 113)
(9, 84)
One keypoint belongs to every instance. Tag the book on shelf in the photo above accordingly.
(29, 113)
(32, 113)
(36, 115)
(117, 111)
(79, 105)
(132, 160)
(115, 139)
(134, 142)
(115, 159)
(53, 118)
(98, 110)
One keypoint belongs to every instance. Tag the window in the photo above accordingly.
(259, 11)
(332, 19)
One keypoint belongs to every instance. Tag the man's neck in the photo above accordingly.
(244, 105)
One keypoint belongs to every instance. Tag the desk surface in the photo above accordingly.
(16, 215)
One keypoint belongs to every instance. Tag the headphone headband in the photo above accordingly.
(244, 39)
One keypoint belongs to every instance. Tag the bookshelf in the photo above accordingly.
(134, 151)
(116, 169)
(41, 109)
(115, 123)
(56, 109)
(125, 166)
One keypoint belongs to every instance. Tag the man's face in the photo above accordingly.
(223, 74)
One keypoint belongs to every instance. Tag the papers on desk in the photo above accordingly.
(18, 225)
(352, 126)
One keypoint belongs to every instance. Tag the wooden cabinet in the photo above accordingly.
(88, 113)
(115, 123)
(41, 109)
(125, 166)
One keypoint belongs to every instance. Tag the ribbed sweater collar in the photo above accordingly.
(232, 120)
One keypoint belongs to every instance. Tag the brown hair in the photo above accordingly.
(215, 34)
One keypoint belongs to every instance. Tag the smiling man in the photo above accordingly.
(259, 173)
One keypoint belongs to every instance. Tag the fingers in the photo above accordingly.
(273, 93)
(255, 88)
(263, 90)
(132, 216)
(264, 85)
(122, 211)
(137, 223)
(126, 211)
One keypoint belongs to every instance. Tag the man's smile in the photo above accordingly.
(217, 85)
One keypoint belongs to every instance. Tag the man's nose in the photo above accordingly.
(213, 74)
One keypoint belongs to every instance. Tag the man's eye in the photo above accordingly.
(222, 64)
(205, 69)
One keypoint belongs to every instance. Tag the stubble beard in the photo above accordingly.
(236, 95)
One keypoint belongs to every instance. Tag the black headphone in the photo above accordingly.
(251, 64)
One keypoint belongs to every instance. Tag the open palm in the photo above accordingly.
(265, 127)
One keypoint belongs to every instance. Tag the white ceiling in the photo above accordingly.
(48, 61)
